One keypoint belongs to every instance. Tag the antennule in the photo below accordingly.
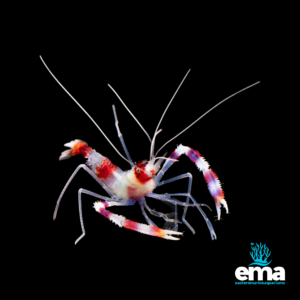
(83, 110)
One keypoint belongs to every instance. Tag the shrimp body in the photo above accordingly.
(141, 179)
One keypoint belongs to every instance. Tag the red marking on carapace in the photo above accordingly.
(141, 176)
(140, 173)
(142, 164)
(105, 168)
(131, 225)
(81, 148)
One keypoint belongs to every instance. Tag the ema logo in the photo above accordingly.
(260, 255)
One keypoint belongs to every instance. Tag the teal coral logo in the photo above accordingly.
(260, 255)
(259, 272)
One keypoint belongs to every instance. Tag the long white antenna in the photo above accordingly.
(153, 142)
(84, 111)
(207, 113)
(130, 113)
(154, 136)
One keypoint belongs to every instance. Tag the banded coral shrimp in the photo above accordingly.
(125, 188)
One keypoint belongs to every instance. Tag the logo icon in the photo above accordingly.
(260, 254)
(259, 272)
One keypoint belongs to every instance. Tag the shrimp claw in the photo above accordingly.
(121, 221)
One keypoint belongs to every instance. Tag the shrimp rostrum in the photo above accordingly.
(125, 188)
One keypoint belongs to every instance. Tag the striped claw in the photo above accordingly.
(121, 221)
(77, 147)
(210, 176)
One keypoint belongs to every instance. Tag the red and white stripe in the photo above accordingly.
(211, 178)
(121, 221)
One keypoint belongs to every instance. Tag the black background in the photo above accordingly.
(238, 139)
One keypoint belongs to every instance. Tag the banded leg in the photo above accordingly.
(82, 166)
(167, 197)
(142, 228)
(120, 135)
(210, 177)
(189, 175)
(110, 200)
